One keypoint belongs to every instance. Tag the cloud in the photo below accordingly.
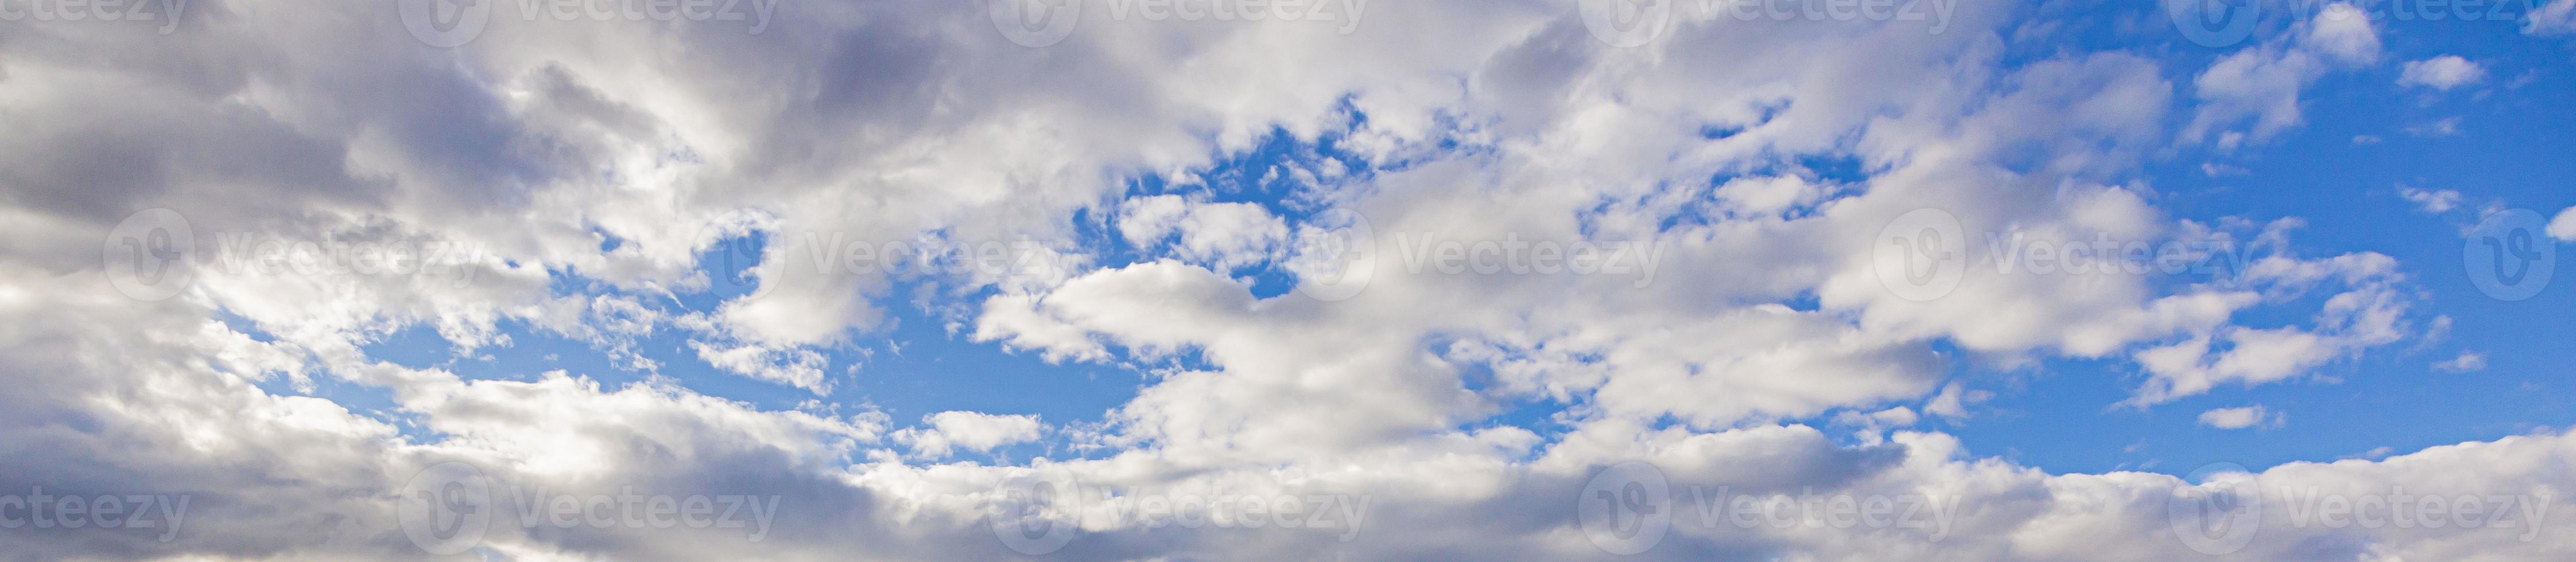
(2556, 17)
(2444, 127)
(2468, 361)
(2429, 201)
(2241, 417)
(2441, 73)
(972, 431)
(711, 202)
(2564, 226)
(2261, 83)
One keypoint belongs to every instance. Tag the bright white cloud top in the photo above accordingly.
(1516, 280)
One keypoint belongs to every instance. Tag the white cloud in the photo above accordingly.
(972, 431)
(2441, 73)
(2556, 17)
(2241, 417)
(2430, 201)
(2261, 83)
(853, 123)
(1221, 235)
(2564, 226)
(2468, 361)
(2444, 127)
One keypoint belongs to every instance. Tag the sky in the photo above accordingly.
(1241, 280)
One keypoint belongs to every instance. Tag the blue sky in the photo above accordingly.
(2341, 171)
(1504, 280)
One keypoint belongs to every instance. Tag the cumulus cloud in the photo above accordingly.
(2441, 73)
(2431, 202)
(2468, 361)
(950, 431)
(2242, 417)
(2554, 18)
(727, 201)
